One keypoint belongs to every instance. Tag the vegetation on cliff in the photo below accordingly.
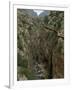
(40, 45)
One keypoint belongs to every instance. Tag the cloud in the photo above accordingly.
(38, 11)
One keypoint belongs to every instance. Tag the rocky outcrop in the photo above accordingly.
(40, 45)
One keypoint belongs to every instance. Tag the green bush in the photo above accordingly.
(28, 73)
(22, 62)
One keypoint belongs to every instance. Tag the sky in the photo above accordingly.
(38, 11)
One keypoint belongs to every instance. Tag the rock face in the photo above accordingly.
(40, 45)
